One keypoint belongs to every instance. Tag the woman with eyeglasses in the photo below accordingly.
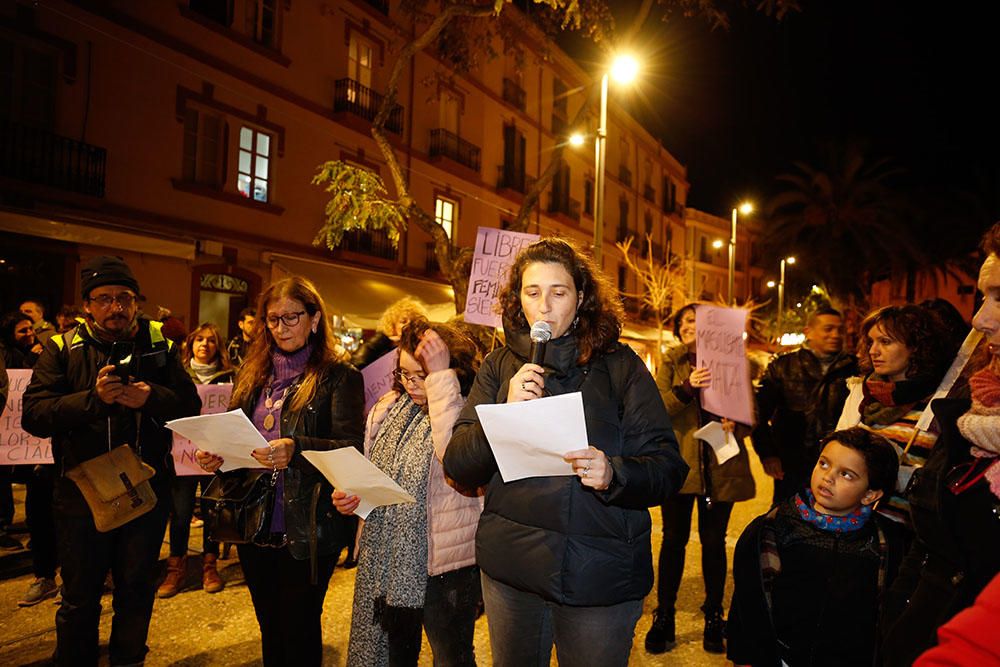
(417, 561)
(298, 390)
(954, 498)
(566, 559)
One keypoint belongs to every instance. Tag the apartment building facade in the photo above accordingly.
(183, 136)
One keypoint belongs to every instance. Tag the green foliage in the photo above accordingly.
(358, 201)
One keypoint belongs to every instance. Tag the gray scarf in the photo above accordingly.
(392, 564)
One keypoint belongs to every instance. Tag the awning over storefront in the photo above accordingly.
(360, 295)
(96, 236)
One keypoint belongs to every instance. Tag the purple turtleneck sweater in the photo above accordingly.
(287, 368)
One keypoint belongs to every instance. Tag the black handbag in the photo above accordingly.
(240, 508)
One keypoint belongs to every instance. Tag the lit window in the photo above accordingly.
(359, 67)
(254, 166)
(444, 214)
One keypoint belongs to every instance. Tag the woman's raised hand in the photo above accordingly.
(527, 383)
(432, 352)
(344, 503)
(700, 378)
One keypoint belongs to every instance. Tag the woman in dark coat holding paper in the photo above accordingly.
(301, 395)
(715, 487)
(567, 559)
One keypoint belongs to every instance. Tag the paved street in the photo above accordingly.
(194, 628)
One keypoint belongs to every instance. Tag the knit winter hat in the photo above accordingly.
(106, 270)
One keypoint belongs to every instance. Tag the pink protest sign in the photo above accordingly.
(214, 399)
(496, 250)
(721, 347)
(18, 447)
(378, 377)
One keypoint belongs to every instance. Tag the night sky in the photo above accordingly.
(912, 81)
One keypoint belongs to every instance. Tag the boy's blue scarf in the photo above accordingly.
(835, 524)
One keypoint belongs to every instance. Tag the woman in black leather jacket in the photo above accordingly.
(567, 559)
(301, 395)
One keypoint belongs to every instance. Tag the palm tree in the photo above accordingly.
(845, 221)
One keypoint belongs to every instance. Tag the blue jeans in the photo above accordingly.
(523, 627)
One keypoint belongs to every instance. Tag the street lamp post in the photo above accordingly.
(600, 150)
(781, 292)
(624, 70)
(745, 208)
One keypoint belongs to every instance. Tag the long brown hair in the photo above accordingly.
(920, 330)
(600, 313)
(256, 370)
(221, 353)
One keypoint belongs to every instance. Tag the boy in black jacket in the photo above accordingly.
(809, 574)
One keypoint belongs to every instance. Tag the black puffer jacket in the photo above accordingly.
(61, 403)
(798, 404)
(334, 418)
(551, 535)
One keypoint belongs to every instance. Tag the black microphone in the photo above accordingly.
(541, 332)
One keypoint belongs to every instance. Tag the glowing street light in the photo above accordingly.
(781, 290)
(624, 69)
(576, 139)
(717, 243)
(770, 284)
(746, 208)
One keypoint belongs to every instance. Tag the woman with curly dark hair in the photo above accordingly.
(417, 561)
(904, 351)
(567, 559)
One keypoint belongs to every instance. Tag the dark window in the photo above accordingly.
(512, 170)
(28, 79)
(261, 21)
(203, 148)
(622, 278)
(220, 11)
(588, 197)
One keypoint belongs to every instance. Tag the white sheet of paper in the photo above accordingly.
(722, 443)
(529, 438)
(349, 470)
(230, 435)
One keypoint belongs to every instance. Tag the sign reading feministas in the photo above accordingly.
(214, 399)
(496, 250)
(17, 447)
(378, 377)
(721, 347)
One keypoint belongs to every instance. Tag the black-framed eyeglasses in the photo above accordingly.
(290, 319)
(405, 377)
(124, 300)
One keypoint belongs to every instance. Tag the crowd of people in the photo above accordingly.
(881, 535)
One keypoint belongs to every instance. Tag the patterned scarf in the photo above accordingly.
(835, 524)
(887, 401)
(392, 565)
(981, 424)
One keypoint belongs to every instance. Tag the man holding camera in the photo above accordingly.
(113, 380)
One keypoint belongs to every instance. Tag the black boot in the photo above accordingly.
(660, 637)
(715, 630)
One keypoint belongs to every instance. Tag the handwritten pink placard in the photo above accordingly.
(17, 446)
(214, 399)
(496, 250)
(721, 347)
(378, 377)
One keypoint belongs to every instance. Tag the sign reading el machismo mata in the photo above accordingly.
(721, 347)
(496, 250)
(16, 446)
(214, 399)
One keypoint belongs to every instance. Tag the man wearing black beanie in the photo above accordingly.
(76, 399)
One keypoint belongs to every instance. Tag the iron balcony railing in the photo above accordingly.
(514, 94)
(373, 243)
(38, 156)
(564, 205)
(509, 178)
(352, 97)
(450, 145)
